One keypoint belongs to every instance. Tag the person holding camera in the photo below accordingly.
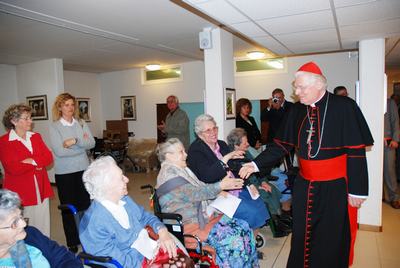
(275, 111)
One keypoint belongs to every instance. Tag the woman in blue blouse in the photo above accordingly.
(13, 250)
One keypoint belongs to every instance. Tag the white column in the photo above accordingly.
(218, 63)
(372, 103)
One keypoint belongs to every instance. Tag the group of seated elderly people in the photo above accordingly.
(186, 184)
(115, 226)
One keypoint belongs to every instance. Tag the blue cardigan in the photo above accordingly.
(102, 235)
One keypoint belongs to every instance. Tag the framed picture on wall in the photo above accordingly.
(38, 105)
(83, 104)
(230, 103)
(128, 107)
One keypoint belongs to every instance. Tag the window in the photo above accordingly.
(164, 75)
(262, 66)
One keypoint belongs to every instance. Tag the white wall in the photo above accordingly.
(8, 89)
(338, 68)
(87, 85)
(127, 83)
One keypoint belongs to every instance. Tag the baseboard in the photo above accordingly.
(370, 228)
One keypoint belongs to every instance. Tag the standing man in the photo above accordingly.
(176, 124)
(329, 134)
(392, 132)
(274, 113)
(341, 91)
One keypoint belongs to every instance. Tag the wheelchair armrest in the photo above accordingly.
(170, 216)
(90, 257)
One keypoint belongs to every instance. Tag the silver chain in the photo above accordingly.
(322, 130)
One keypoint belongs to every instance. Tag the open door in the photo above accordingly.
(162, 112)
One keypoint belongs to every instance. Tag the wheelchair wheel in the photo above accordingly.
(260, 241)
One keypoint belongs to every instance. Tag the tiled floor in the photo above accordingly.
(373, 250)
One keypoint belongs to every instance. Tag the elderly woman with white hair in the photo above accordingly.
(114, 225)
(180, 191)
(13, 250)
(209, 158)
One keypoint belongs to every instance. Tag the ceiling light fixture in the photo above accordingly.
(255, 55)
(276, 64)
(153, 67)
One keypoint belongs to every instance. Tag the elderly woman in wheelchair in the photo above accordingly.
(276, 202)
(114, 225)
(180, 191)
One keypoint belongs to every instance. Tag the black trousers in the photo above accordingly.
(72, 191)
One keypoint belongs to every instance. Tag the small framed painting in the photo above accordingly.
(83, 104)
(230, 103)
(128, 107)
(38, 105)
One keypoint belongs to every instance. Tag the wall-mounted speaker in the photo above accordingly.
(205, 39)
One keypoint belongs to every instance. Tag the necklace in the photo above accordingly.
(311, 130)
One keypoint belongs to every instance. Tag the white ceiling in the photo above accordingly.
(108, 35)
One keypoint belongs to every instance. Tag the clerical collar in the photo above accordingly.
(320, 100)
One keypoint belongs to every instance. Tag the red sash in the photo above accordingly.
(324, 170)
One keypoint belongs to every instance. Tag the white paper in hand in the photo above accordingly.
(145, 245)
(227, 205)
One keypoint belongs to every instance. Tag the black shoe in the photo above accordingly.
(73, 249)
(286, 221)
(260, 255)
(279, 233)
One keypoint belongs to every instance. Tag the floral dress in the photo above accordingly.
(234, 243)
(232, 238)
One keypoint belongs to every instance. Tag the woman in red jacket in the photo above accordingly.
(24, 157)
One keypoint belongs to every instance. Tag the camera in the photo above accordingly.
(275, 100)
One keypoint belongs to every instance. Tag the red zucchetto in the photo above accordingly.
(310, 67)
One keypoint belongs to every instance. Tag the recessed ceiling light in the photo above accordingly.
(255, 55)
(153, 67)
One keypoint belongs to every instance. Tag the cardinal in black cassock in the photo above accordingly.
(329, 134)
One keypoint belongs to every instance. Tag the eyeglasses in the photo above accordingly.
(15, 222)
(26, 118)
(210, 130)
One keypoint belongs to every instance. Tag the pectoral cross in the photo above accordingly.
(310, 132)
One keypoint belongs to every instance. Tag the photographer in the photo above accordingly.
(275, 111)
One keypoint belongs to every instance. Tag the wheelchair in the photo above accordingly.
(203, 256)
(88, 259)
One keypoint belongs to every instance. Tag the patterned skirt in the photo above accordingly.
(234, 243)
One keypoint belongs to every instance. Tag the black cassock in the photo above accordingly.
(332, 165)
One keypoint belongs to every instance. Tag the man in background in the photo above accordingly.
(341, 91)
(176, 124)
(275, 111)
(392, 132)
